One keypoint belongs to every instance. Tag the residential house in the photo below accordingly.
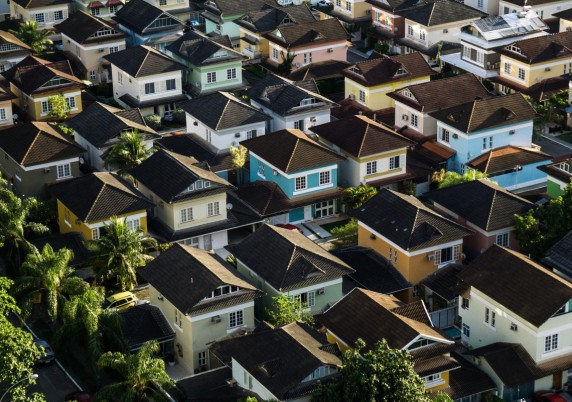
(85, 204)
(146, 24)
(211, 63)
(177, 8)
(45, 13)
(280, 363)
(86, 39)
(99, 126)
(544, 8)
(223, 120)
(147, 79)
(202, 298)
(565, 18)
(305, 172)
(34, 80)
(106, 9)
(280, 261)
(373, 153)
(354, 15)
(291, 104)
(518, 334)
(480, 39)
(414, 237)
(387, 22)
(36, 154)
(6, 114)
(558, 257)
(559, 175)
(369, 82)
(441, 297)
(433, 28)
(413, 103)
(255, 24)
(219, 16)
(193, 207)
(12, 50)
(307, 43)
(485, 208)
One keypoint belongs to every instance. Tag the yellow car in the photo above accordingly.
(120, 301)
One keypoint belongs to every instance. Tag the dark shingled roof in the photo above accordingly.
(444, 280)
(493, 273)
(99, 196)
(144, 323)
(559, 174)
(182, 172)
(233, 7)
(315, 33)
(559, 256)
(505, 159)
(564, 14)
(185, 276)
(10, 38)
(72, 241)
(30, 4)
(287, 259)
(270, 18)
(221, 111)
(393, 5)
(291, 150)
(321, 70)
(482, 114)
(137, 15)
(541, 48)
(37, 143)
(360, 136)
(141, 61)
(467, 380)
(482, 202)
(213, 385)
(81, 26)
(407, 222)
(441, 12)
(198, 49)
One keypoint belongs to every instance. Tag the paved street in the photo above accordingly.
(52, 382)
(553, 146)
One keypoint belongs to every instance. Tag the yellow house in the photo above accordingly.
(46, 14)
(369, 82)
(85, 204)
(353, 14)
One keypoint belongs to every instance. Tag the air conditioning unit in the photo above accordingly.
(404, 117)
(351, 97)
(445, 31)
(431, 257)
(216, 319)
(511, 132)
(101, 50)
(237, 135)
(313, 119)
(513, 326)
(368, 11)
(47, 170)
(455, 135)
(234, 143)
(547, 69)
(321, 291)
(330, 50)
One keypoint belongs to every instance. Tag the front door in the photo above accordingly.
(208, 242)
(307, 213)
(557, 380)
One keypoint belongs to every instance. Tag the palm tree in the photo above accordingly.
(48, 274)
(144, 376)
(239, 155)
(119, 252)
(37, 39)
(129, 151)
(356, 196)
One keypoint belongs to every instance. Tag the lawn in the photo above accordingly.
(566, 137)
(330, 226)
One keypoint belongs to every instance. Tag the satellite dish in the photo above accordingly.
(15, 116)
(229, 206)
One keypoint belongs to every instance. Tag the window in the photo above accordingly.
(409, 30)
(307, 58)
(95, 234)
(202, 358)
(371, 167)
(465, 303)
(448, 254)
(324, 178)
(275, 53)
(162, 2)
(480, 4)
(70, 102)
(64, 171)
(133, 224)
(251, 134)
(95, 11)
(490, 142)
(415, 291)
(178, 319)
(493, 319)
(551, 343)
(231, 74)
(300, 183)
(58, 15)
(394, 162)
(487, 315)
(211, 77)
(171, 84)
(422, 35)
(485, 143)
(324, 208)
(235, 319)
(299, 124)
(213, 208)
(186, 215)
(46, 107)
(361, 96)
(348, 5)
(260, 169)
(307, 299)
(113, 9)
(466, 330)
(150, 88)
(40, 19)
(521, 74)
(113, 49)
(92, 76)
(2, 114)
(414, 120)
(507, 68)
(445, 135)
(502, 239)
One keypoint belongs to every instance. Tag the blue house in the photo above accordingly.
(292, 178)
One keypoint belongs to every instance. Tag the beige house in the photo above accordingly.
(12, 50)
(45, 13)
(6, 114)
(177, 8)
(101, 9)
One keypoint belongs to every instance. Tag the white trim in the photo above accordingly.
(557, 181)
(488, 133)
(315, 49)
(227, 310)
(295, 175)
(337, 337)
(526, 183)
(65, 94)
(425, 336)
(50, 164)
(314, 287)
(103, 223)
(311, 189)
(106, 45)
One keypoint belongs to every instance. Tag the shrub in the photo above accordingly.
(153, 121)
(179, 116)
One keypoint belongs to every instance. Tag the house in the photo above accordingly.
(307, 43)
(220, 16)
(98, 127)
(290, 104)
(517, 334)
(544, 8)
(177, 8)
(485, 208)
(98, 9)
(36, 154)
(441, 299)
(480, 39)
(558, 257)
(565, 18)
(146, 24)
(413, 103)
(305, 171)
(415, 238)
(193, 207)
(369, 82)
(12, 50)
(559, 175)
(86, 203)
(223, 120)
(354, 15)
(202, 298)
(147, 79)
(45, 13)
(6, 114)
(85, 39)
(280, 364)
(281, 261)
(255, 24)
(211, 63)
(34, 80)
(373, 153)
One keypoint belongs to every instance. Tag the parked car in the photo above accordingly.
(288, 226)
(551, 396)
(47, 352)
(120, 301)
(78, 396)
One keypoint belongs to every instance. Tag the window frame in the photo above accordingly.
(171, 84)
(371, 167)
(503, 239)
(238, 318)
(149, 88)
(231, 73)
(186, 215)
(551, 343)
(211, 77)
(325, 178)
(395, 162)
(63, 171)
(300, 183)
(213, 208)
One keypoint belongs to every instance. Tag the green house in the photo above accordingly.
(559, 175)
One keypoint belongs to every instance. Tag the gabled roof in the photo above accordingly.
(443, 282)
(360, 136)
(198, 49)
(380, 317)
(186, 276)
(9, 38)
(540, 49)
(291, 150)
(270, 18)
(286, 259)
(433, 13)
(407, 222)
(377, 71)
(320, 70)
(137, 15)
(81, 26)
(213, 385)
(558, 256)
(31, 4)
(564, 14)
(182, 171)
(233, 7)
(221, 111)
(315, 33)
(422, 96)
(493, 273)
(141, 61)
(101, 124)
(506, 159)
(36, 143)
(482, 114)
(99, 196)
(394, 5)
(483, 203)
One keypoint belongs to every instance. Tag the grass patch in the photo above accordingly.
(566, 137)
(330, 226)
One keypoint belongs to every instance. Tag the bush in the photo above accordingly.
(153, 121)
(179, 116)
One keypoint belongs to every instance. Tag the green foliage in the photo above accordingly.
(128, 152)
(381, 47)
(37, 39)
(287, 310)
(450, 178)
(231, 259)
(442, 397)
(551, 110)
(407, 187)
(354, 197)
(65, 129)
(60, 107)
(348, 233)
(179, 116)
(381, 374)
(153, 121)
(491, 398)
(285, 68)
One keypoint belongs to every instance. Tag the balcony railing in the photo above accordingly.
(251, 54)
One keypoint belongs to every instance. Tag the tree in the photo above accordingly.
(119, 252)
(143, 376)
(285, 68)
(355, 196)
(346, 234)
(59, 107)
(449, 178)
(381, 374)
(239, 156)
(37, 39)
(550, 111)
(287, 310)
(129, 151)
(48, 274)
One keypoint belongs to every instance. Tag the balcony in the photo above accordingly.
(251, 53)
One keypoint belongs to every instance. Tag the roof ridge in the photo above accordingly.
(222, 113)
(298, 139)
(144, 59)
(294, 252)
(491, 209)
(363, 138)
(433, 6)
(33, 142)
(272, 191)
(96, 198)
(471, 115)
